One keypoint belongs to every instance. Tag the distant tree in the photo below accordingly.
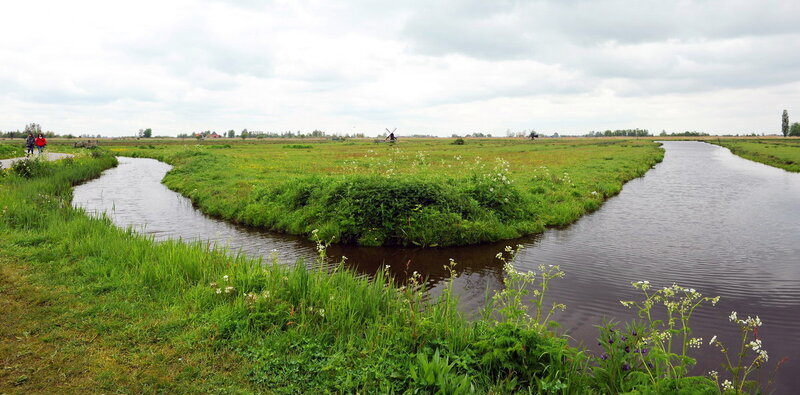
(147, 133)
(795, 129)
(785, 125)
(244, 134)
(33, 128)
(231, 134)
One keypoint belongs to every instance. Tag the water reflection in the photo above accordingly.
(702, 218)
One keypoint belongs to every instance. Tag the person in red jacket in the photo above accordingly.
(40, 142)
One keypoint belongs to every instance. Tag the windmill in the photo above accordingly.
(391, 136)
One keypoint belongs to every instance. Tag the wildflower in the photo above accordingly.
(219, 291)
(626, 367)
(732, 317)
(696, 342)
(321, 312)
(229, 289)
(603, 356)
(727, 385)
(713, 339)
(225, 277)
(714, 375)
(213, 285)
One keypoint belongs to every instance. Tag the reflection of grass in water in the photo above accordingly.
(782, 153)
(131, 315)
(421, 192)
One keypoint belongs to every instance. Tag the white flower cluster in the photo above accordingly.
(228, 289)
(762, 353)
(727, 385)
(749, 323)
(252, 297)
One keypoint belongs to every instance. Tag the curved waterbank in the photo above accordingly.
(704, 218)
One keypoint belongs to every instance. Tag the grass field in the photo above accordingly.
(11, 151)
(782, 153)
(89, 307)
(425, 192)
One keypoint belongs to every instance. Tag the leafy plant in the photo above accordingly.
(437, 376)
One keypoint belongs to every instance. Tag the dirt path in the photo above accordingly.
(6, 163)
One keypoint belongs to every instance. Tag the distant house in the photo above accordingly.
(214, 135)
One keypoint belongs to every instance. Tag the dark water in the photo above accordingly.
(703, 218)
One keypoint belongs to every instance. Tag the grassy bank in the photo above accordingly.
(11, 150)
(782, 153)
(417, 192)
(94, 308)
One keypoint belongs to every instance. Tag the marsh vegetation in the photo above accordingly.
(416, 192)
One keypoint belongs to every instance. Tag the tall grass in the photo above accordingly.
(298, 329)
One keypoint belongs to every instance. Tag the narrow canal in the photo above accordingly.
(703, 218)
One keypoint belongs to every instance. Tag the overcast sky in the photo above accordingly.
(439, 67)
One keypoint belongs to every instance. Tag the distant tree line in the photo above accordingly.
(620, 133)
(253, 134)
(475, 134)
(684, 134)
(35, 128)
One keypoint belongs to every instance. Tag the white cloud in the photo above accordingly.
(436, 67)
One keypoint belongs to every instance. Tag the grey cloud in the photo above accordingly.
(647, 42)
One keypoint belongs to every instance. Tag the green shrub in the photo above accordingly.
(31, 168)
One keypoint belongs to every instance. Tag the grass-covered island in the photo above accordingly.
(425, 192)
(88, 307)
(782, 153)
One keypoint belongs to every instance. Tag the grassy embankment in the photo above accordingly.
(90, 307)
(11, 151)
(782, 153)
(420, 192)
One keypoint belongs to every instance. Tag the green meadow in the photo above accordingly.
(425, 192)
(782, 153)
(89, 307)
(11, 150)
